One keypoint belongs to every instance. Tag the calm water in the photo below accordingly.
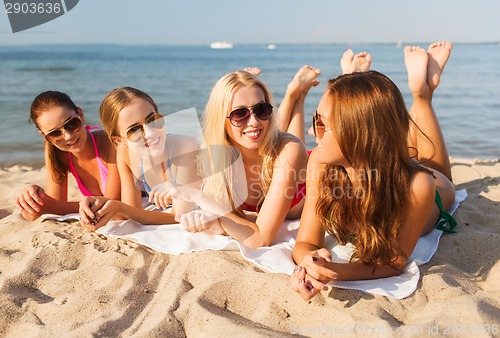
(467, 102)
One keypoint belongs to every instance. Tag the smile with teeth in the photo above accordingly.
(72, 143)
(253, 134)
(152, 143)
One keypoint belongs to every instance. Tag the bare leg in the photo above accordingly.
(351, 63)
(292, 107)
(423, 78)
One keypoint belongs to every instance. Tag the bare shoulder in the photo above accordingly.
(106, 148)
(181, 143)
(291, 150)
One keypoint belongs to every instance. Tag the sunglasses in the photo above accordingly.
(72, 125)
(318, 125)
(136, 132)
(239, 117)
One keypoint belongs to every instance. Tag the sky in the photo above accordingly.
(198, 22)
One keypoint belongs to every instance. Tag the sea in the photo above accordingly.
(467, 101)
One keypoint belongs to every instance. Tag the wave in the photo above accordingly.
(45, 69)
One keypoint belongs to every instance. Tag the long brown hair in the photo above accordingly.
(371, 123)
(58, 159)
(114, 102)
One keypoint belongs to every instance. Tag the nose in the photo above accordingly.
(253, 121)
(66, 134)
(310, 131)
(148, 131)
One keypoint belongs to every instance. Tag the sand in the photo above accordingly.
(58, 279)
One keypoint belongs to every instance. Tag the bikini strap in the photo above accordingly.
(445, 217)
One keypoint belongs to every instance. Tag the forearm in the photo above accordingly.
(144, 216)
(301, 249)
(53, 206)
(362, 271)
(243, 231)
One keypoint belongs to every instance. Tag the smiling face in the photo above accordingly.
(328, 148)
(251, 134)
(152, 141)
(55, 118)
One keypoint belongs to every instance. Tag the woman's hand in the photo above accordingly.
(304, 284)
(161, 195)
(199, 221)
(97, 211)
(318, 265)
(30, 202)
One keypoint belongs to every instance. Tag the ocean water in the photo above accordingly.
(180, 77)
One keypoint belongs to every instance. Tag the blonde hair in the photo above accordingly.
(114, 102)
(215, 163)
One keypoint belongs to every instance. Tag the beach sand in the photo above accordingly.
(58, 279)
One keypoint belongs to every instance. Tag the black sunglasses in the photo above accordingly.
(154, 120)
(239, 117)
(73, 124)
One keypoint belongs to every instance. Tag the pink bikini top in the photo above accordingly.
(103, 170)
(300, 193)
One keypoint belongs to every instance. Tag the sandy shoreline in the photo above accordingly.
(58, 278)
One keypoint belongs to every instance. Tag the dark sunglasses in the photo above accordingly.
(239, 117)
(72, 125)
(318, 124)
(155, 121)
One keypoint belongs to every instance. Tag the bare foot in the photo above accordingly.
(346, 61)
(439, 53)
(303, 80)
(351, 63)
(416, 59)
(253, 70)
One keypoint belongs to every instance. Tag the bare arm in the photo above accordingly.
(310, 239)
(34, 201)
(292, 159)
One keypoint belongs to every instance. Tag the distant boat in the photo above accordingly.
(271, 46)
(221, 45)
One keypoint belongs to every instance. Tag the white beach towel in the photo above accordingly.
(172, 239)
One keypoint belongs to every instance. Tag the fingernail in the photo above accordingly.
(301, 281)
(315, 259)
(325, 287)
(308, 287)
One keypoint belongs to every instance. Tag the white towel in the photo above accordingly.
(172, 239)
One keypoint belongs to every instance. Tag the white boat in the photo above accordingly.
(271, 46)
(221, 45)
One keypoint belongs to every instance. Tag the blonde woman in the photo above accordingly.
(254, 174)
(146, 157)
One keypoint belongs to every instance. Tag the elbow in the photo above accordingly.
(256, 242)
(399, 266)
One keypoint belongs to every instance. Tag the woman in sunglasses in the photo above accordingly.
(366, 182)
(146, 157)
(254, 174)
(69, 147)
